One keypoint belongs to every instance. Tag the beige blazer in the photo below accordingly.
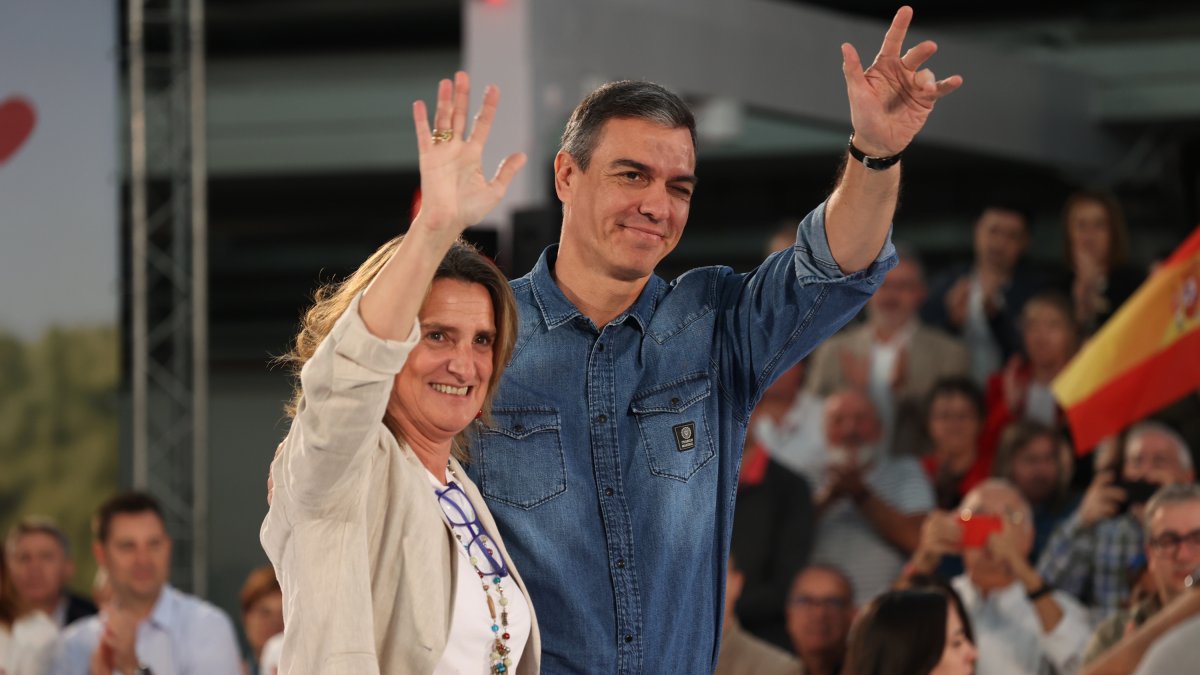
(931, 355)
(354, 531)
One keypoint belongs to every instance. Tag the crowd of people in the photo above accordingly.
(591, 469)
(135, 622)
(924, 445)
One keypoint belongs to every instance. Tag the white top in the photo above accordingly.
(29, 646)
(470, 641)
(885, 357)
(798, 440)
(1009, 637)
(1175, 653)
(1040, 405)
(977, 334)
(268, 664)
(847, 540)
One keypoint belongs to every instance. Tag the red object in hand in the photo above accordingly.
(977, 527)
(17, 119)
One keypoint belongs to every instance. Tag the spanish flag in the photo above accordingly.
(1145, 357)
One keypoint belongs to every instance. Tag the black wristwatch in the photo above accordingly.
(872, 163)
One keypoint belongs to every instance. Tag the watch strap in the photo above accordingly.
(873, 163)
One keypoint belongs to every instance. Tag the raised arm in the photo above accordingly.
(889, 103)
(455, 194)
(347, 381)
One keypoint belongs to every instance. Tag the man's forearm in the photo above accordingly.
(859, 214)
(1125, 657)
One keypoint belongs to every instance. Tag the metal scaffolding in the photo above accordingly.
(168, 272)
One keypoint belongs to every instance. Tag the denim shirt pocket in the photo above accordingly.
(674, 426)
(521, 458)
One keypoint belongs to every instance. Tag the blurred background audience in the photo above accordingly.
(979, 301)
(911, 632)
(820, 610)
(894, 357)
(39, 558)
(262, 614)
(27, 635)
(741, 652)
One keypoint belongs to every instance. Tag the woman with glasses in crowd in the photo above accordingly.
(389, 560)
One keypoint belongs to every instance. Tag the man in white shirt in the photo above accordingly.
(870, 505)
(1022, 625)
(148, 627)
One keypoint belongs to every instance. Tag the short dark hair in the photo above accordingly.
(1059, 301)
(899, 633)
(1009, 205)
(123, 503)
(38, 525)
(832, 570)
(630, 99)
(957, 385)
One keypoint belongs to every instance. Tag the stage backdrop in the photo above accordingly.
(59, 180)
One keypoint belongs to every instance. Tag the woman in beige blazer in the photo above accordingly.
(389, 560)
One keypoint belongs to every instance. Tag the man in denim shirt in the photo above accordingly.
(611, 460)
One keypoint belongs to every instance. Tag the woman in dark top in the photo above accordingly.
(1100, 278)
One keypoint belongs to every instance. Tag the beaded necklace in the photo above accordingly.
(458, 517)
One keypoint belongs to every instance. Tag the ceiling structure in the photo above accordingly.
(312, 163)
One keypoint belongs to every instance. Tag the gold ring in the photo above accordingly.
(440, 135)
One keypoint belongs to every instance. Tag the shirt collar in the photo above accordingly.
(165, 610)
(557, 310)
(972, 596)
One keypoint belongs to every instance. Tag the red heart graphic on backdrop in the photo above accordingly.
(17, 119)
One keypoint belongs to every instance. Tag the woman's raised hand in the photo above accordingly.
(455, 194)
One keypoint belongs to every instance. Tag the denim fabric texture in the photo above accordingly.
(611, 460)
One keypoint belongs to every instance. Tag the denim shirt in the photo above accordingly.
(611, 459)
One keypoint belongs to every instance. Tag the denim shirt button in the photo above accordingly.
(601, 418)
(519, 429)
(621, 563)
(608, 492)
(600, 347)
(629, 638)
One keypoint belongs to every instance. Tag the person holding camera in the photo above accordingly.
(1092, 551)
(1022, 624)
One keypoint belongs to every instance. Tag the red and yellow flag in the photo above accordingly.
(1144, 358)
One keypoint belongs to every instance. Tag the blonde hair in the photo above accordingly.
(462, 262)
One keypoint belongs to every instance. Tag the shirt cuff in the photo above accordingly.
(814, 259)
(1065, 644)
(355, 343)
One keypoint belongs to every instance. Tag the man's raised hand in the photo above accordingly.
(890, 101)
